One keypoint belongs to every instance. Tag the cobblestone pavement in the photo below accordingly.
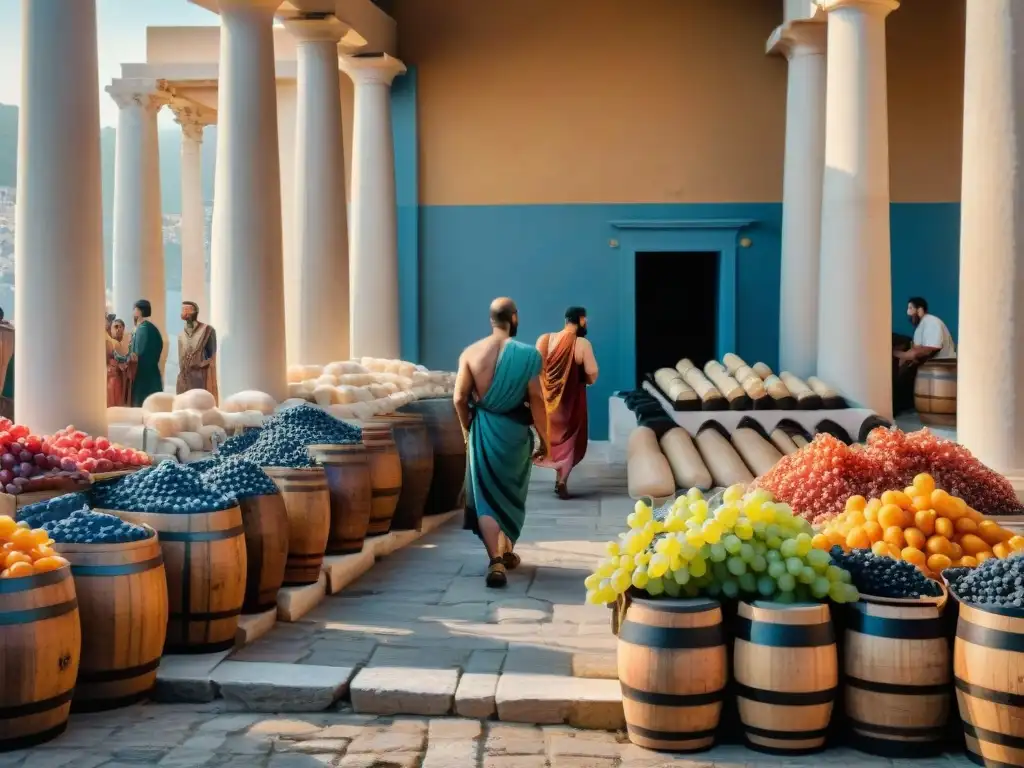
(189, 735)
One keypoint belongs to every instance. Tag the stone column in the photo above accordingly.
(803, 45)
(990, 403)
(138, 219)
(373, 237)
(193, 210)
(60, 374)
(318, 303)
(247, 297)
(855, 323)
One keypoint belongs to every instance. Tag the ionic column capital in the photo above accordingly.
(305, 29)
(372, 68)
(192, 119)
(871, 7)
(798, 38)
(254, 6)
(140, 92)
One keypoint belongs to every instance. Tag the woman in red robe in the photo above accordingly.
(117, 367)
(569, 368)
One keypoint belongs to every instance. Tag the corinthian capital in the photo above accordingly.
(148, 94)
(192, 118)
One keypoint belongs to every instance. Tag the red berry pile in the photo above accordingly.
(31, 462)
(818, 479)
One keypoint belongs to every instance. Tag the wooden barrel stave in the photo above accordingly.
(347, 471)
(786, 673)
(205, 563)
(935, 392)
(672, 670)
(988, 670)
(265, 523)
(308, 507)
(122, 603)
(897, 676)
(385, 476)
(449, 476)
(40, 648)
(417, 459)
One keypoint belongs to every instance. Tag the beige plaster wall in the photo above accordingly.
(535, 101)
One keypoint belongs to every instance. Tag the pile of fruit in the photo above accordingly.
(239, 444)
(882, 576)
(167, 488)
(748, 545)
(240, 478)
(922, 525)
(85, 526)
(25, 551)
(998, 583)
(818, 479)
(285, 437)
(50, 511)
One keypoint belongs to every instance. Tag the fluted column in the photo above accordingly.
(59, 288)
(803, 45)
(317, 293)
(990, 401)
(855, 324)
(138, 219)
(373, 234)
(193, 209)
(247, 297)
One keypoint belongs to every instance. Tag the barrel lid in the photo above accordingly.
(768, 605)
(677, 605)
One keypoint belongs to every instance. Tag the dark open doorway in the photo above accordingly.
(676, 309)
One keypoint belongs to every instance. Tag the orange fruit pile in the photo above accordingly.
(921, 524)
(25, 552)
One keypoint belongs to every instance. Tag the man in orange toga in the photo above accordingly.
(569, 368)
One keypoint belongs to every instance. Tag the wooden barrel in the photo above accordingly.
(449, 478)
(786, 673)
(122, 603)
(672, 669)
(385, 476)
(935, 392)
(265, 522)
(308, 506)
(988, 671)
(347, 469)
(417, 458)
(205, 563)
(897, 677)
(40, 647)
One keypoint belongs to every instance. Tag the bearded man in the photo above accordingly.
(197, 352)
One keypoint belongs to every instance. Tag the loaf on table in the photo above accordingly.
(721, 459)
(684, 459)
(647, 470)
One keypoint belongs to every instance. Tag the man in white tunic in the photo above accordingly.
(932, 341)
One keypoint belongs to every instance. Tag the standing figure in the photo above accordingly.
(497, 377)
(118, 387)
(569, 368)
(6, 368)
(197, 353)
(146, 351)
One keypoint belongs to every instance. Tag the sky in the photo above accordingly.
(122, 39)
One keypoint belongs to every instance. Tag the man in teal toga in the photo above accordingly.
(144, 355)
(498, 398)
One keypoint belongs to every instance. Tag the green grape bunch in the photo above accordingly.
(746, 545)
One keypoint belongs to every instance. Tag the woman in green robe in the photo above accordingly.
(144, 353)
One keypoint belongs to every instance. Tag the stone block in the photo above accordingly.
(550, 700)
(382, 546)
(187, 678)
(507, 739)
(597, 704)
(378, 742)
(475, 695)
(342, 570)
(295, 602)
(392, 760)
(562, 745)
(406, 690)
(269, 687)
(598, 666)
(253, 626)
(454, 729)
(449, 753)
(515, 761)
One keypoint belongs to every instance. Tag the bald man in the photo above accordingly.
(498, 398)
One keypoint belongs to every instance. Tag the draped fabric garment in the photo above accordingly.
(117, 375)
(565, 399)
(501, 444)
(193, 348)
(148, 347)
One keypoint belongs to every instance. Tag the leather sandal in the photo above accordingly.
(496, 576)
(511, 560)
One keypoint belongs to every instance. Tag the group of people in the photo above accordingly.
(505, 392)
(932, 341)
(134, 370)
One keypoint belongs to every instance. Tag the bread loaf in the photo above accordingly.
(799, 441)
(733, 363)
(193, 440)
(745, 372)
(756, 452)
(159, 402)
(783, 442)
(674, 388)
(706, 391)
(725, 383)
(194, 399)
(829, 397)
(684, 459)
(684, 365)
(721, 459)
(776, 388)
(647, 470)
(762, 370)
(213, 418)
(249, 400)
(805, 397)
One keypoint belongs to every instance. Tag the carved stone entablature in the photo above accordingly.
(150, 94)
(192, 118)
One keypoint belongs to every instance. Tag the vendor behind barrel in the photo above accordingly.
(932, 340)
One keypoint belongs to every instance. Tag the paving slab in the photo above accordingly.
(269, 687)
(342, 570)
(253, 626)
(295, 602)
(407, 690)
(187, 678)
